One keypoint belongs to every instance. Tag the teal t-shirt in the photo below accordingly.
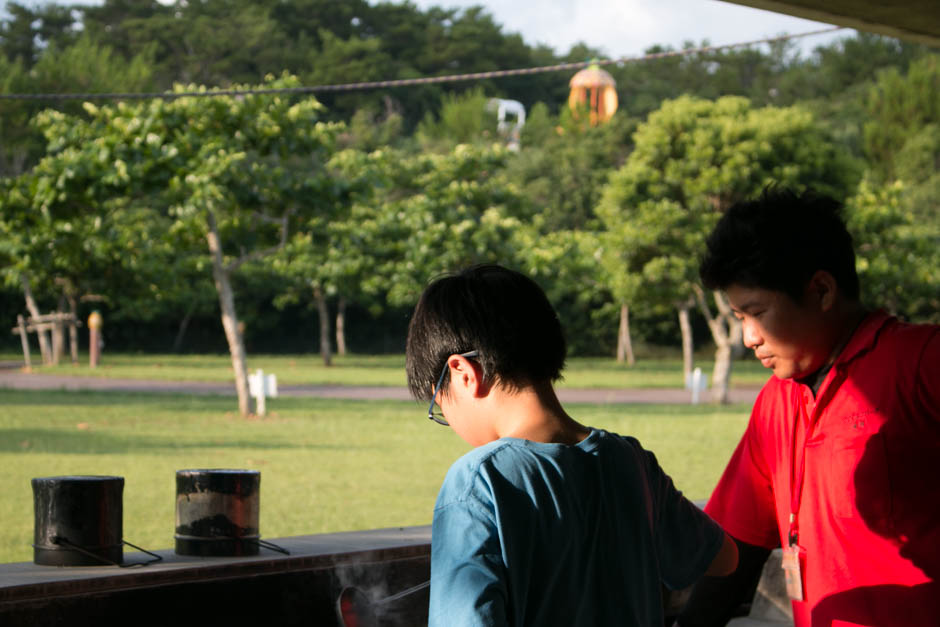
(527, 533)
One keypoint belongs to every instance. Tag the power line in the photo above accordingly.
(406, 82)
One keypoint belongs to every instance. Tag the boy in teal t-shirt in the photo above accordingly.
(547, 521)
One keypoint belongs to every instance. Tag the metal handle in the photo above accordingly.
(156, 558)
(59, 540)
(267, 545)
(262, 543)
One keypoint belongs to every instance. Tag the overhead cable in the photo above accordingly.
(406, 82)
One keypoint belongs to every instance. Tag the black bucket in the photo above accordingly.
(78, 520)
(217, 512)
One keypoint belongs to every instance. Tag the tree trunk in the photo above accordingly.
(722, 328)
(184, 324)
(58, 341)
(730, 326)
(58, 333)
(721, 374)
(341, 326)
(687, 346)
(73, 328)
(324, 315)
(33, 309)
(624, 344)
(738, 349)
(233, 334)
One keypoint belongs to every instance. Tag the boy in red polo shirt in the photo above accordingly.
(840, 463)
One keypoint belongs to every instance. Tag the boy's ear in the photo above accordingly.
(467, 375)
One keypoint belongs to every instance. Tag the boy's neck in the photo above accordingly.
(535, 414)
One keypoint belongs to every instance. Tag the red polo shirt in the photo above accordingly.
(868, 512)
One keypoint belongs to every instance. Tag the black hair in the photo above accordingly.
(778, 242)
(502, 314)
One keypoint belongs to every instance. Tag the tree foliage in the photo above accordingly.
(899, 107)
(83, 67)
(898, 255)
(565, 164)
(411, 185)
(693, 159)
(236, 174)
(447, 212)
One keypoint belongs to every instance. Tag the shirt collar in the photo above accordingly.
(864, 337)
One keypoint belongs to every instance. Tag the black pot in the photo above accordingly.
(217, 512)
(78, 520)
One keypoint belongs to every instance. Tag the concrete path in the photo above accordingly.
(12, 377)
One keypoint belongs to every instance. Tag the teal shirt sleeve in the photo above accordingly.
(467, 579)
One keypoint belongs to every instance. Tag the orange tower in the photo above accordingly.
(596, 90)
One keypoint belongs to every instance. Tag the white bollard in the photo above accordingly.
(698, 384)
(260, 386)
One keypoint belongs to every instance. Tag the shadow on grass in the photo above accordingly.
(174, 402)
(88, 398)
(669, 410)
(91, 443)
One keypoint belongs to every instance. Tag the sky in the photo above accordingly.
(625, 28)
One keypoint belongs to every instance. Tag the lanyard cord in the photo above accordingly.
(796, 480)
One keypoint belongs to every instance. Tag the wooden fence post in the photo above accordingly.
(94, 338)
(58, 339)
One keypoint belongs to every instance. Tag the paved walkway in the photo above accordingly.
(12, 377)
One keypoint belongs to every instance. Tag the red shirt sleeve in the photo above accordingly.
(743, 500)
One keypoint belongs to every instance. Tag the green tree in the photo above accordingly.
(917, 164)
(215, 42)
(334, 251)
(369, 131)
(120, 255)
(565, 263)
(464, 118)
(564, 165)
(230, 41)
(444, 212)
(236, 173)
(692, 159)
(354, 59)
(855, 60)
(15, 135)
(897, 252)
(561, 171)
(82, 67)
(28, 30)
(900, 106)
(835, 82)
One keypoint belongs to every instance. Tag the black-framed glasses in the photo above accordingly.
(438, 416)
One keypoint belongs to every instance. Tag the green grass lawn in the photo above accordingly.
(384, 370)
(325, 465)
